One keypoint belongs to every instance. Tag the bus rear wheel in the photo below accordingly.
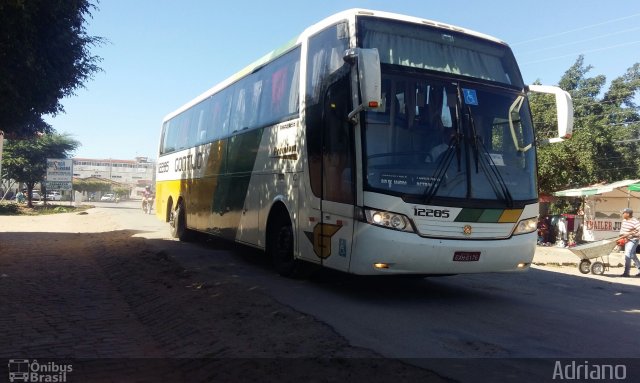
(178, 224)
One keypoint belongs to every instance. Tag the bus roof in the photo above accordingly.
(344, 15)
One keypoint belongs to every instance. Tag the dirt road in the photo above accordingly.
(77, 289)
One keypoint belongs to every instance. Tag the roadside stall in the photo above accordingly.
(602, 204)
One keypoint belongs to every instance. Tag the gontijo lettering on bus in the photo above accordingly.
(188, 162)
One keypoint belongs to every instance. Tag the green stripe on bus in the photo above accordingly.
(490, 215)
(469, 215)
(479, 215)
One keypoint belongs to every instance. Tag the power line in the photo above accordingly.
(576, 29)
(579, 53)
(580, 41)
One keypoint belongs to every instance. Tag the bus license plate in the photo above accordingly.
(466, 256)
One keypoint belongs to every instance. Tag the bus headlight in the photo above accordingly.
(526, 226)
(389, 220)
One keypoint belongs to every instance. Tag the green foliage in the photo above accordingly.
(565, 205)
(44, 57)
(8, 208)
(91, 186)
(26, 160)
(122, 192)
(602, 119)
(15, 209)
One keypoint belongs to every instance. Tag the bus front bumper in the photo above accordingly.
(379, 251)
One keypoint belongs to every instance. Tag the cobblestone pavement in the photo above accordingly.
(118, 309)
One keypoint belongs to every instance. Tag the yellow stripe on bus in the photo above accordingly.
(510, 215)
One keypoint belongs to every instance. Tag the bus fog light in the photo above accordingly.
(398, 223)
(381, 265)
(389, 220)
(522, 265)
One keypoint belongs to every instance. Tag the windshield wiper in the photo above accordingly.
(493, 175)
(442, 166)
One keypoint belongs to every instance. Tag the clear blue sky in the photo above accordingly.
(163, 53)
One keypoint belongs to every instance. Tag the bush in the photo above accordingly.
(9, 209)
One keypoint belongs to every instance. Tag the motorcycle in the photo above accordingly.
(147, 204)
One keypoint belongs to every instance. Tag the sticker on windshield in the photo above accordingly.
(496, 159)
(470, 97)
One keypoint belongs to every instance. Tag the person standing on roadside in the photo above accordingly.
(562, 232)
(631, 231)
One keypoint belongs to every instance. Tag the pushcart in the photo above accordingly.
(598, 251)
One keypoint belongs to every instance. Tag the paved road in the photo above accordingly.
(549, 312)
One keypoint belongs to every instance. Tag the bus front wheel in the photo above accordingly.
(282, 250)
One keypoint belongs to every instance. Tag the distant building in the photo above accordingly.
(136, 173)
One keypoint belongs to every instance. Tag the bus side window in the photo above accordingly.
(221, 112)
(338, 158)
(279, 97)
(324, 57)
(202, 127)
(237, 110)
(168, 138)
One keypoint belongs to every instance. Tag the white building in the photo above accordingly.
(136, 173)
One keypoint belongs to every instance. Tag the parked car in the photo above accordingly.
(35, 195)
(108, 197)
(54, 196)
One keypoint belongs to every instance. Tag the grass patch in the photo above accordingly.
(20, 209)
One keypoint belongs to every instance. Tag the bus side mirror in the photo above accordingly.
(564, 110)
(369, 79)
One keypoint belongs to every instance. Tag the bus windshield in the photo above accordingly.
(440, 140)
(424, 47)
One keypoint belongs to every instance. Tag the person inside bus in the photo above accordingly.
(441, 139)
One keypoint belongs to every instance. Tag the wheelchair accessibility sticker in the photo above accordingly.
(470, 97)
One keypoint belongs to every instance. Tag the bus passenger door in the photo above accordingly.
(335, 230)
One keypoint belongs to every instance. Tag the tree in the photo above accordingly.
(44, 57)
(26, 160)
(601, 121)
(122, 192)
(91, 186)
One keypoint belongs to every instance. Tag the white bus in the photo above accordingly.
(374, 143)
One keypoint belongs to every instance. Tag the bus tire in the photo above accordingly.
(178, 224)
(282, 249)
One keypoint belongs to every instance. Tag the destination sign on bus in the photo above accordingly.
(406, 180)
